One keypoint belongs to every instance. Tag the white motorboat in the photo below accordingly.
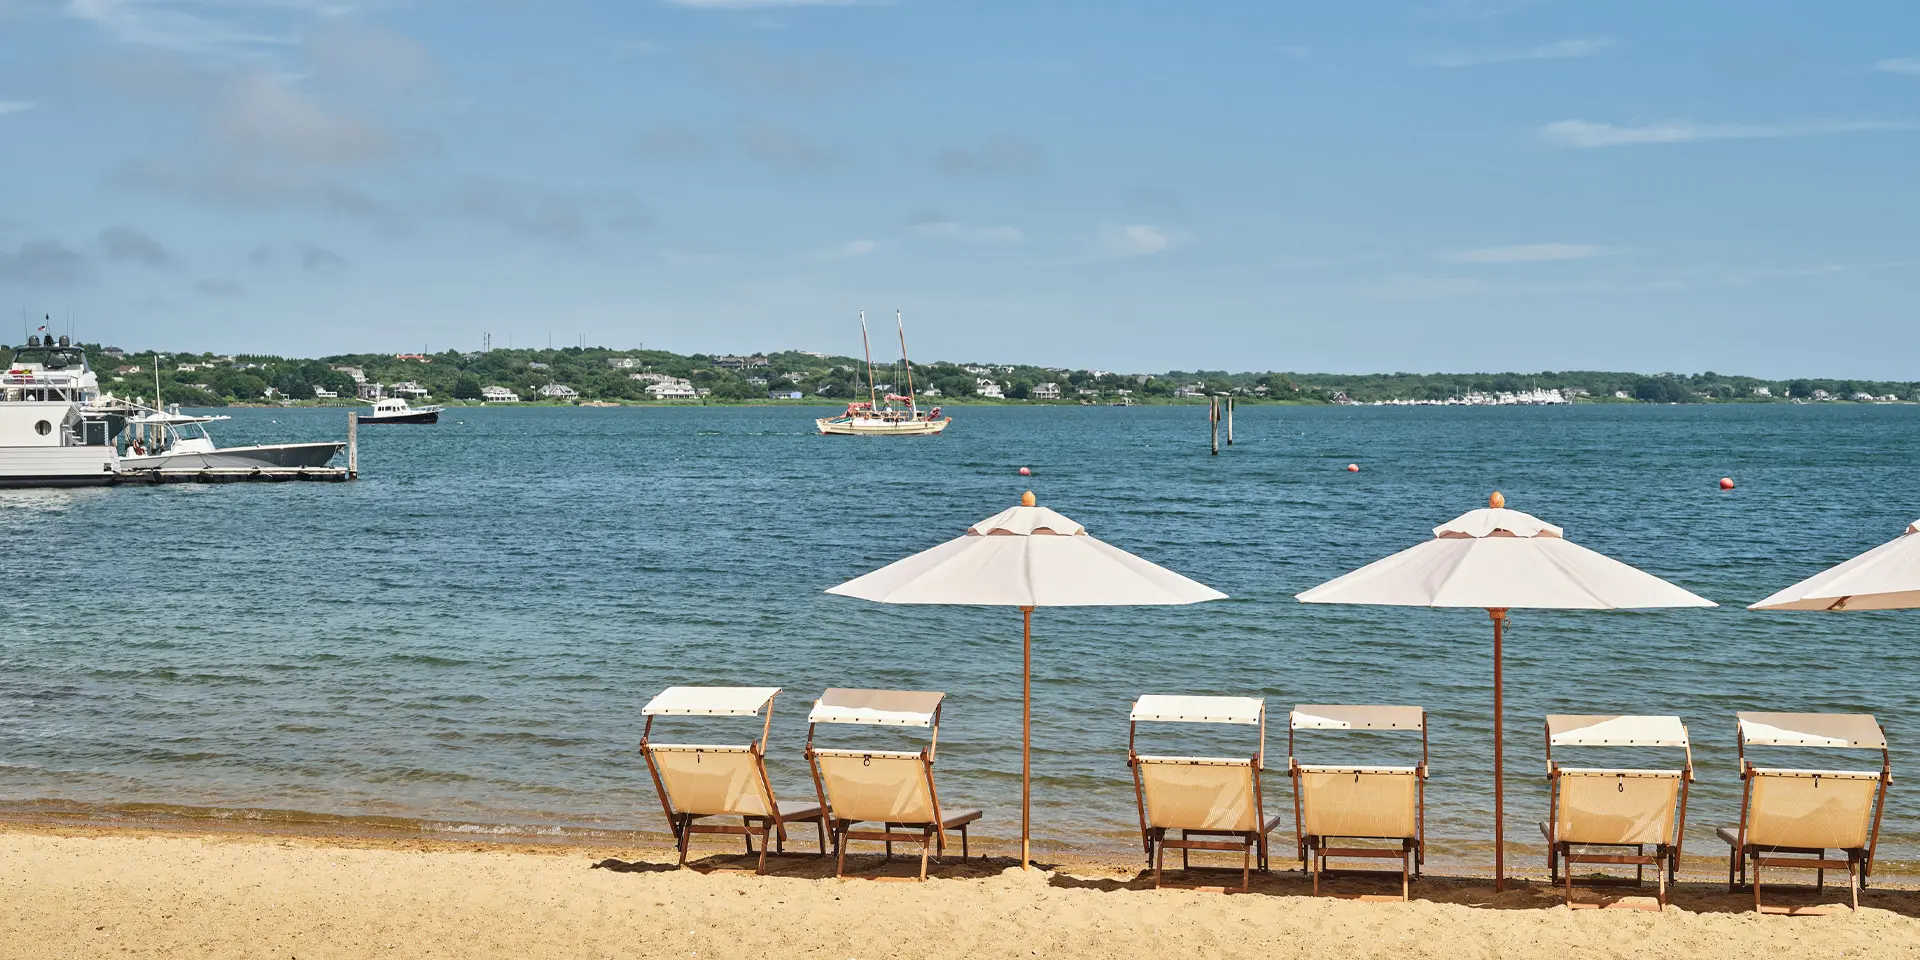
(170, 441)
(397, 410)
(45, 441)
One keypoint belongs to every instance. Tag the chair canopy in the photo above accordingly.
(1615, 731)
(894, 708)
(1812, 730)
(1350, 717)
(709, 702)
(1162, 708)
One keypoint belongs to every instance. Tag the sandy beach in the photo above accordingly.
(69, 892)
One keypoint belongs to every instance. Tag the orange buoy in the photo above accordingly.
(1026, 472)
(1726, 483)
(1353, 468)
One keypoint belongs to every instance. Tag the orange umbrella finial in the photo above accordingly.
(1496, 501)
(1026, 499)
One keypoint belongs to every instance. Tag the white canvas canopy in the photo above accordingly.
(1330, 716)
(1499, 560)
(1884, 578)
(1026, 556)
(897, 708)
(1161, 708)
(1615, 731)
(1812, 730)
(709, 702)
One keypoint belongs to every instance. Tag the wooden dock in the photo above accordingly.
(238, 475)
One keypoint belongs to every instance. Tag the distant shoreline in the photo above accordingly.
(830, 404)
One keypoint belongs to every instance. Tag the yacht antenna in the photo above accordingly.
(872, 401)
(912, 407)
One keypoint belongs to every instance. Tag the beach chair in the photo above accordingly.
(1359, 804)
(1791, 818)
(889, 788)
(1616, 809)
(1215, 803)
(696, 782)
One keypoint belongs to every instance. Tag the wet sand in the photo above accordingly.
(89, 892)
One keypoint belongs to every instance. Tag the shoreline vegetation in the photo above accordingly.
(601, 376)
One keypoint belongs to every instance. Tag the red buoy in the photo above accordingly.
(1026, 472)
(1726, 483)
(1353, 468)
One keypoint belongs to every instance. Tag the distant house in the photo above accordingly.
(930, 392)
(1864, 397)
(1045, 391)
(123, 371)
(987, 388)
(672, 390)
(649, 377)
(785, 395)
(739, 363)
(202, 387)
(498, 394)
(1621, 395)
(1763, 391)
(1191, 390)
(113, 352)
(558, 391)
(1821, 395)
(358, 375)
(622, 363)
(370, 391)
(190, 367)
(413, 357)
(1091, 392)
(407, 388)
(322, 393)
(760, 382)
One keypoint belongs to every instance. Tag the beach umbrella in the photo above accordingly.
(1499, 560)
(1884, 578)
(1027, 556)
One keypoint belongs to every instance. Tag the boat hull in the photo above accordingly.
(426, 416)
(240, 458)
(841, 427)
(56, 466)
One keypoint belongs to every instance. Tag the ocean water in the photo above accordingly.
(462, 640)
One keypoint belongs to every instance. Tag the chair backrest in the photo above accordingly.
(876, 786)
(1830, 810)
(1616, 806)
(707, 781)
(1369, 802)
(1199, 793)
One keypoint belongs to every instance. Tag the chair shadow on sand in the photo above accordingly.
(813, 866)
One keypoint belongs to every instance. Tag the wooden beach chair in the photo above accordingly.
(889, 788)
(1344, 811)
(696, 782)
(1214, 803)
(1621, 811)
(1792, 818)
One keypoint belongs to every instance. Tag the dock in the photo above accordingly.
(238, 475)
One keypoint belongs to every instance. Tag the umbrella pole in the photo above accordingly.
(1499, 617)
(1026, 734)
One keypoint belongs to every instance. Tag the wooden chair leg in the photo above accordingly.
(762, 868)
(1314, 865)
(1853, 883)
(1406, 892)
(686, 835)
(1756, 887)
(821, 824)
(1159, 862)
(963, 841)
(840, 848)
(926, 844)
(747, 824)
(1246, 868)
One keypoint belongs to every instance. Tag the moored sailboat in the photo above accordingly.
(871, 419)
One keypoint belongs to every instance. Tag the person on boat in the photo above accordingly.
(139, 449)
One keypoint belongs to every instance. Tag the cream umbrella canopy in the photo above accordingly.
(1027, 556)
(1499, 559)
(1884, 578)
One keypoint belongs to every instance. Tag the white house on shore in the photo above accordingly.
(1045, 391)
(407, 388)
(672, 390)
(498, 394)
(322, 393)
(558, 391)
(987, 388)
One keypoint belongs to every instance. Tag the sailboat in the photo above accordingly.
(869, 418)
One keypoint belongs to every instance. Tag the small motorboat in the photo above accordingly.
(170, 441)
(397, 410)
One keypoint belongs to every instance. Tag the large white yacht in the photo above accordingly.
(45, 441)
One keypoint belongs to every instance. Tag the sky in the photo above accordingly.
(1426, 185)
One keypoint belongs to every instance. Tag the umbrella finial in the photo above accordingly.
(1026, 499)
(1496, 501)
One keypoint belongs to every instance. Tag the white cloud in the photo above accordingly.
(942, 227)
(1907, 65)
(1529, 253)
(1558, 50)
(1134, 240)
(16, 106)
(1584, 134)
(190, 27)
(851, 250)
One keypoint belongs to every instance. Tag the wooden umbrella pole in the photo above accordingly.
(1026, 736)
(1499, 616)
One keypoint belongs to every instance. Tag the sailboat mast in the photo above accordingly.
(872, 401)
(912, 404)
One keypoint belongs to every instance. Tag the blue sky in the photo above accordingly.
(1426, 185)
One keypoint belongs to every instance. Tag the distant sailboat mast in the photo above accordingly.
(913, 406)
(872, 401)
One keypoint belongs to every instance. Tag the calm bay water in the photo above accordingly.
(465, 636)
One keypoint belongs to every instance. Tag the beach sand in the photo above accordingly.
(104, 892)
